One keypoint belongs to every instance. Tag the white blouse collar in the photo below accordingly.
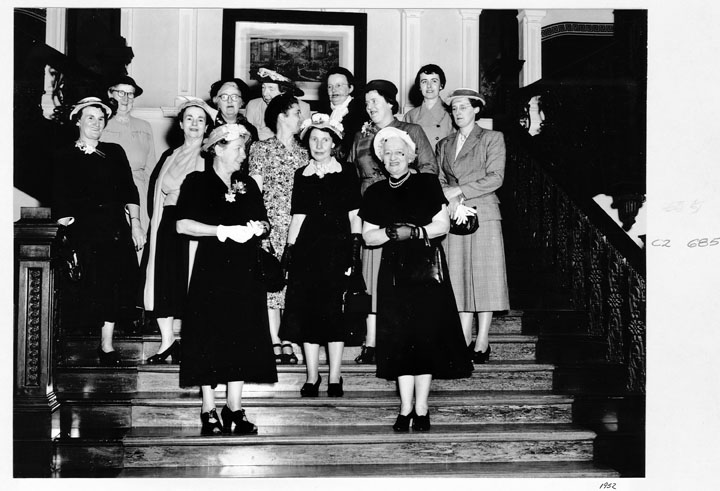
(313, 168)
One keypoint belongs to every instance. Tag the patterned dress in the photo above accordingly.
(277, 164)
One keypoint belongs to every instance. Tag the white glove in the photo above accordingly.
(462, 212)
(257, 227)
(237, 233)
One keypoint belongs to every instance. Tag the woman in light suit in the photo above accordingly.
(472, 167)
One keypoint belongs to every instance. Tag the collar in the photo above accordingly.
(341, 110)
(313, 168)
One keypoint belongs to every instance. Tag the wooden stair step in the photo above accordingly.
(303, 445)
(284, 408)
(571, 469)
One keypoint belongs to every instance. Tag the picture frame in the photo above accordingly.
(299, 44)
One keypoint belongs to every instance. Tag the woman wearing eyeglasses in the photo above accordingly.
(343, 105)
(134, 135)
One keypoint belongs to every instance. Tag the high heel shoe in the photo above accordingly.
(242, 425)
(210, 423)
(279, 358)
(480, 357)
(336, 390)
(289, 358)
(402, 423)
(173, 351)
(108, 358)
(366, 356)
(421, 423)
(311, 390)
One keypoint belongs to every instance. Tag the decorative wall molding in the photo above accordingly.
(187, 52)
(126, 31)
(470, 47)
(529, 26)
(410, 30)
(55, 34)
(578, 29)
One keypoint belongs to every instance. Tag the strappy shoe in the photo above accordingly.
(311, 390)
(289, 358)
(173, 351)
(210, 423)
(242, 425)
(336, 390)
(402, 423)
(279, 358)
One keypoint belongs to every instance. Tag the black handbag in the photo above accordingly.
(66, 257)
(468, 227)
(356, 299)
(269, 271)
(419, 264)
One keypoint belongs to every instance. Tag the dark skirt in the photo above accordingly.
(171, 268)
(418, 327)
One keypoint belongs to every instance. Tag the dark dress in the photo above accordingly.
(94, 189)
(321, 256)
(225, 326)
(418, 327)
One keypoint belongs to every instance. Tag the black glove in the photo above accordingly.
(400, 231)
(356, 242)
(286, 259)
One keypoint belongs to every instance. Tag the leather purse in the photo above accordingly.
(356, 299)
(65, 256)
(269, 271)
(419, 264)
(469, 226)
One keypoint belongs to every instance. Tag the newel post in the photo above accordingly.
(34, 399)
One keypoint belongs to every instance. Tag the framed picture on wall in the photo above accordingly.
(301, 45)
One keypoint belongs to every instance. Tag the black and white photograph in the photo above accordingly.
(375, 245)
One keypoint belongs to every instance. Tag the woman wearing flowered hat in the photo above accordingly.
(323, 230)
(472, 163)
(134, 135)
(95, 198)
(272, 84)
(381, 106)
(166, 273)
(225, 331)
(418, 327)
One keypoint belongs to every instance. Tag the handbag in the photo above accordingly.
(356, 299)
(66, 257)
(466, 228)
(269, 271)
(419, 264)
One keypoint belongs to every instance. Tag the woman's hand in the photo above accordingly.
(452, 192)
(399, 231)
(138, 234)
(236, 233)
(452, 206)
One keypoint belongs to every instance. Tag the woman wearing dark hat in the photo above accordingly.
(134, 135)
(95, 198)
(419, 336)
(225, 331)
(325, 201)
(472, 168)
(229, 96)
(166, 273)
(432, 114)
(272, 84)
(273, 164)
(343, 105)
(381, 106)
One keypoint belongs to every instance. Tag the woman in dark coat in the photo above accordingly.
(225, 331)
(95, 198)
(472, 167)
(418, 328)
(323, 228)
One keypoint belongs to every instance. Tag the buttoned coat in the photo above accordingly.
(479, 169)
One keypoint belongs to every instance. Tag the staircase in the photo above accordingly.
(135, 421)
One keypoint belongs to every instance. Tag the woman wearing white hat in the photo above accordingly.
(418, 328)
(225, 331)
(472, 168)
(167, 269)
(95, 198)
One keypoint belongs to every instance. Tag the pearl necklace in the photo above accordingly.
(399, 183)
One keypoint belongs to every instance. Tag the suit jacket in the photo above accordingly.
(479, 169)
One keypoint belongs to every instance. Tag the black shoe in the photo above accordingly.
(402, 423)
(110, 359)
(366, 356)
(210, 423)
(421, 423)
(289, 358)
(242, 425)
(279, 358)
(336, 390)
(173, 351)
(311, 390)
(481, 357)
